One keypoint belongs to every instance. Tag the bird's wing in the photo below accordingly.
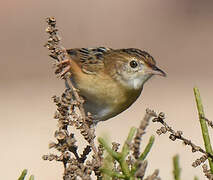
(91, 60)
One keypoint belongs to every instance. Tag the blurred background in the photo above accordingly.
(177, 33)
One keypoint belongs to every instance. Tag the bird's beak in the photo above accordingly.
(156, 71)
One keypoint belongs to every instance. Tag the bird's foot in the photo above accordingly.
(63, 67)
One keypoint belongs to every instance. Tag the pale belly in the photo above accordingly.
(104, 97)
(108, 106)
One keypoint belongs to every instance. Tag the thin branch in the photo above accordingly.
(141, 131)
(70, 112)
(174, 135)
(154, 176)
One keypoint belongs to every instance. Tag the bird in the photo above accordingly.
(109, 80)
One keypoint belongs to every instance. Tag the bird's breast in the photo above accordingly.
(105, 97)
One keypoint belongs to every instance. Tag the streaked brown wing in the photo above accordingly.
(91, 60)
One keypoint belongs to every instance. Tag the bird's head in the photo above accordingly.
(134, 67)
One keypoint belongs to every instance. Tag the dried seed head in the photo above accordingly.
(60, 135)
(199, 161)
(179, 133)
(151, 112)
(45, 157)
(162, 115)
(172, 137)
(52, 145)
(142, 165)
(56, 115)
(51, 20)
(115, 146)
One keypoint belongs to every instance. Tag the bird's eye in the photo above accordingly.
(133, 64)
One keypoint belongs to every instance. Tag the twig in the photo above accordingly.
(68, 115)
(207, 172)
(70, 112)
(141, 131)
(141, 169)
(177, 135)
(154, 176)
(210, 123)
(89, 129)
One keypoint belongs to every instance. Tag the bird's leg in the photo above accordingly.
(64, 66)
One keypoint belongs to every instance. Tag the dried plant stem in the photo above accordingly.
(141, 131)
(154, 176)
(207, 172)
(127, 164)
(203, 124)
(82, 112)
(76, 95)
(174, 135)
(70, 113)
(176, 171)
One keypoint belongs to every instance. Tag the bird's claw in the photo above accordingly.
(63, 67)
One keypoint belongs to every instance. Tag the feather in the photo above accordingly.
(148, 59)
(91, 60)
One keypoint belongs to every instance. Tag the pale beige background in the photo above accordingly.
(178, 33)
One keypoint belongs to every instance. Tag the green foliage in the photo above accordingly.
(147, 148)
(23, 175)
(144, 153)
(204, 127)
(205, 133)
(176, 171)
(127, 172)
(196, 178)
